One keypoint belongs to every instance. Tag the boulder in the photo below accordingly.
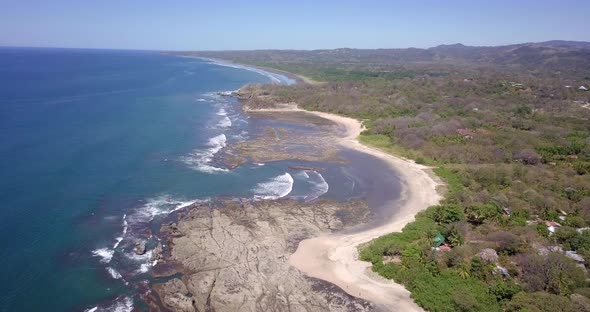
(139, 248)
(488, 255)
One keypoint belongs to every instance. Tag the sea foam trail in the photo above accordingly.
(200, 159)
(276, 188)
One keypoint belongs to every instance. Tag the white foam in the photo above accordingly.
(140, 258)
(226, 93)
(122, 304)
(302, 175)
(259, 164)
(275, 78)
(200, 159)
(158, 206)
(125, 224)
(276, 188)
(201, 100)
(120, 238)
(105, 253)
(217, 143)
(114, 274)
(320, 186)
(144, 268)
(225, 122)
(118, 241)
(145, 261)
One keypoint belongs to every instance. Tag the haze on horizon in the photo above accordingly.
(246, 25)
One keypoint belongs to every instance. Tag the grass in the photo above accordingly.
(383, 142)
(320, 74)
(451, 178)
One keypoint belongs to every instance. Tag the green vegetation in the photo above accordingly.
(513, 155)
(336, 74)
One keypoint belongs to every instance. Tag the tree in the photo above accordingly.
(555, 273)
(477, 214)
(448, 213)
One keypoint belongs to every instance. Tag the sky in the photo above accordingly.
(282, 24)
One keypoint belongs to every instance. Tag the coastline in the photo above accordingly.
(334, 257)
(276, 76)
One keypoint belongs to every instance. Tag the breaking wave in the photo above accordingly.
(200, 159)
(121, 304)
(158, 206)
(120, 238)
(276, 188)
(225, 122)
(319, 186)
(106, 254)
(114, 274)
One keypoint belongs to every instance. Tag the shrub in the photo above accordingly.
(443, 293)
(506, 242)
(539, 302)
(580, 303)
(565, 234)
(504, 290)
(528, 157)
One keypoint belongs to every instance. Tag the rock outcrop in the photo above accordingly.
(235, 257)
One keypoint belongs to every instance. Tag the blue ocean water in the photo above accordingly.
(97, 147)
(93, 143)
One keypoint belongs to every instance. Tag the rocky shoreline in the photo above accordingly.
(238, 255)
(232, 255)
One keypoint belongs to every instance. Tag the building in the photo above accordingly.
(552, 226)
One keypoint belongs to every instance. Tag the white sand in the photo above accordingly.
(334, 257)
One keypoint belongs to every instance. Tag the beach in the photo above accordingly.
(274, 245)
(334, 257)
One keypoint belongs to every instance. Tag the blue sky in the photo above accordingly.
(303, 24)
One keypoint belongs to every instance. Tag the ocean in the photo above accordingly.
(97, 146)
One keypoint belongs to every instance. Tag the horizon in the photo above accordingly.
(263, 49)
(266, 25)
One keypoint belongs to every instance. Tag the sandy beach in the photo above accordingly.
(334, 257)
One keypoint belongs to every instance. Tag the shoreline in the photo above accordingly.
(297, 78)
(334, 257)
(284, 77)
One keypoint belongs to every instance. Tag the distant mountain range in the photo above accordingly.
(556, 55)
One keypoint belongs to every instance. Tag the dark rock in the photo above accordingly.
(139, 248)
